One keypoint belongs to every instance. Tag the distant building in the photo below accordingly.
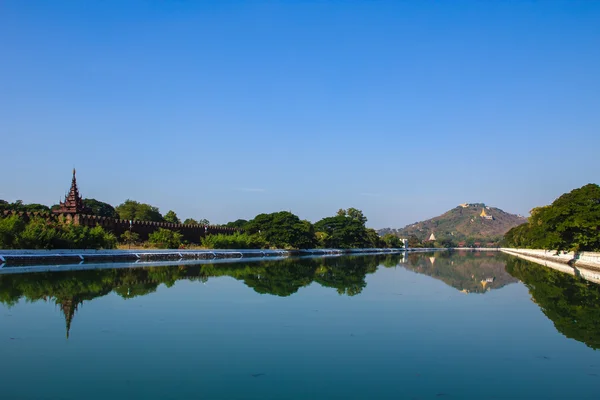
(431, 238)
(485, 215)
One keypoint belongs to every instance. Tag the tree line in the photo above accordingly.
(283, 229)
(571, 222)
(347, 275)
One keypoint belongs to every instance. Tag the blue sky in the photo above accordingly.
(226, 109)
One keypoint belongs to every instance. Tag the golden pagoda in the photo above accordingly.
(485, 215)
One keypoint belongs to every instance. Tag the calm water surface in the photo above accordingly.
(431, 326)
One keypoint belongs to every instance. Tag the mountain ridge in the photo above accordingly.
(475, 221)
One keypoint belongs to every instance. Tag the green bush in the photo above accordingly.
(82, 237)
(10, 230)
(165, 239)
(130, 237)
(236, 241)
(40, 233)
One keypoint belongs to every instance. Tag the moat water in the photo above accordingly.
(428, 326)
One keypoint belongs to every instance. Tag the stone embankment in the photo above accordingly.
(17, 259)
(585, 264)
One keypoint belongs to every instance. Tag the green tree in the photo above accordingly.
(354, 214)
(202, 221)
(100, 208)
(22, 207)
(33, 207)
(165, 239)
(343, 232)
(283, 230)
(133, 210)
(373, 239)
(322, 239)
(570, 223)
(392, 241)
(238, 223)
(171, 217)
(357, 215)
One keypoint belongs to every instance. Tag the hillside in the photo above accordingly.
(476, 221)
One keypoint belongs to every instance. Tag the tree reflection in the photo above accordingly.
(69, 289)
(571, 303)
(347, 275)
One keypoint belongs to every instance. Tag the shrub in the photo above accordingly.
(130, 237)
(40, 233)
(236, 241)
(10, 229)
(165, 239)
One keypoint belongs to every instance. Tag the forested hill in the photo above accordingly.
(475, 220)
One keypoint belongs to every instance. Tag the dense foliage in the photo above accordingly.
(172, 217)
(571, 222)
(283, 230)
(19, 206)
(40, 233)
(101, 208)
(345, 230)
(238, 223)
(238, 240)
(202, 221)
(132, 210)
(165, 239)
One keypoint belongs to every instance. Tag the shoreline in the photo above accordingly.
(585, 265)
(15, 261)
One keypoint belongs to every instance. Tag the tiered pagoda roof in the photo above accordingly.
(73, 203)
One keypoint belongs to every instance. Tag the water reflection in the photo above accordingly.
(467, 271)
(70, 289)
(571, 303)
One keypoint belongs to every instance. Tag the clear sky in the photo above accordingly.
(226, 109)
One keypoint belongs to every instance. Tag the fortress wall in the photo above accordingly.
(191, 232)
